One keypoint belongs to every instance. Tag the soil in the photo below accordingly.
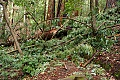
(57, 72)
(63, 72)
(110, 61)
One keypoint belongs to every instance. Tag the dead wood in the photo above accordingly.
(90, 59)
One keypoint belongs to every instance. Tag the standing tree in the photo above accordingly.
(96, 6)
(60, 10)
(51, 9)
(110, 4)
(2, 25)
(45, 10)
(4, 4)
(3, 20)
(93, 19)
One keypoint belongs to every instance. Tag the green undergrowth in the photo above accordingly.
(78, 44)
(36, 58)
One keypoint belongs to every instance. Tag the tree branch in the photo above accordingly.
(90, 59)
(65, 18)
(8, 23)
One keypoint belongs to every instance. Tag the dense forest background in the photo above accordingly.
(60, 39)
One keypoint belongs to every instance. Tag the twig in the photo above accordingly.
(111, 26)
(90, 59)
(62, 43)
(100, 25)
(22, 48)
(34, 19)
(19, 19)
(65, 18)
(115, 35)
(54, 46)
(77, 21)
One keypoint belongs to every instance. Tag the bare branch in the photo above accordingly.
(90, 59)
(11, 30)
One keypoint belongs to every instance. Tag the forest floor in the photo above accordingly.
(110, 61)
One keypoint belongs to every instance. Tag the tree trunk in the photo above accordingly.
(11, 13)
(60, 11)
(110, 4)
(45, 10)
(8, 23)
(59, 8)
(96, 6)
(81, 9)
(2, 20)
(93, 19)
(51, 9)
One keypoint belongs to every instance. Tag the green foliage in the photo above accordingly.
(72, 5)
(81, 5)
(111, 16)
(36, 59)
(78, 43)
(118, 3)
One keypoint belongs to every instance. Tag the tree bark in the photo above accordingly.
(58, 8)
(2, 32)
(51, 9)
(45, 10)
(8, 23)
(60, 11)
(96, 6)
(93, 19)
(110, 4)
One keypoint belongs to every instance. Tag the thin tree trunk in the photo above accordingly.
(8, 23)
(11, 13)
(60, 11)
(59, 8)
(93, 19)
(49, 10)
(45, 11)
(81, 8)
(3, 26)
(53, 9)
(2, 32)
(96, 6)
